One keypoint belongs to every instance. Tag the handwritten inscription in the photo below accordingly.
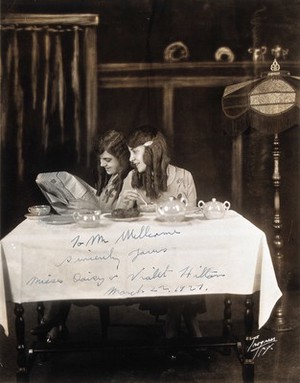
(142, 252)
(156, 273)
(204, 272)
(91, 258)
(144, 232)
(260, 347)
(34, 280)
(115, 291)
(143, 274)
(78, 277)
(159, 290)
(91, 241)
(142, 260)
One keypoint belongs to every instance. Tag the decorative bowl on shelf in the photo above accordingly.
(87, 218)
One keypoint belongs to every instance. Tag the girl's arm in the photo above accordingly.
(191, 190)
(128, 195)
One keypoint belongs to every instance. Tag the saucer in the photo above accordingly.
(170, 223)
(35, 217)
(55, 219)
(128, 219)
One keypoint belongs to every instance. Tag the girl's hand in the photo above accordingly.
(130, 196)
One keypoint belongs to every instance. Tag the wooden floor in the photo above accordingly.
(281, 364)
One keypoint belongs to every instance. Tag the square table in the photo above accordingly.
(136, 259)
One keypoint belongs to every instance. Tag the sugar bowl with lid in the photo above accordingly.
(213, 209)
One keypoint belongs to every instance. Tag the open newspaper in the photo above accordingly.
(61, 187)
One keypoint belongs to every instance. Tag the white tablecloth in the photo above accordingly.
(144, 258)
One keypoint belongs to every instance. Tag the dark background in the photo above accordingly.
(137, 31)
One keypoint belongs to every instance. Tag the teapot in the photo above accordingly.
(87, 218)
(214, 209)
(172, 210)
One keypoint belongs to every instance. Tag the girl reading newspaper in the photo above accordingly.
(65, 191)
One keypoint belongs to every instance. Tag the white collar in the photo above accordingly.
(171, 173)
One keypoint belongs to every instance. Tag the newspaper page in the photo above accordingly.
(61, 187)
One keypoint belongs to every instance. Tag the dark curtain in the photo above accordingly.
(48, 106)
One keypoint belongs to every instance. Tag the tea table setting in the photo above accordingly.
(169, 250)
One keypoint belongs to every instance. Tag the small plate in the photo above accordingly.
(195, 214)
(161, 220)
(129, 219)
(36, 217)
(58, 220)
(66, 213)
(150, 208)
(193, 210)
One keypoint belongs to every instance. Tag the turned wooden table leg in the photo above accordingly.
(227, 322)
(248, 363)
(22, 373)
(40, 308)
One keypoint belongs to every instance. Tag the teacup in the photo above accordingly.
(39, 209)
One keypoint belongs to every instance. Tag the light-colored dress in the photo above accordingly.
(179, 182)
(107, 199)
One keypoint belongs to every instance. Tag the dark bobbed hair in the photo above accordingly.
(115, 144)
(156, 158)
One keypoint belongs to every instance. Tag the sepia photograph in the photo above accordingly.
(150, 182)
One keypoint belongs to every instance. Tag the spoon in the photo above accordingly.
(145, 202)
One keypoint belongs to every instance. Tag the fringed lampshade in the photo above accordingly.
(269, 103)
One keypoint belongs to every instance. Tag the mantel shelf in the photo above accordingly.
(203, 65)
(184, 74)
(49, 19)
